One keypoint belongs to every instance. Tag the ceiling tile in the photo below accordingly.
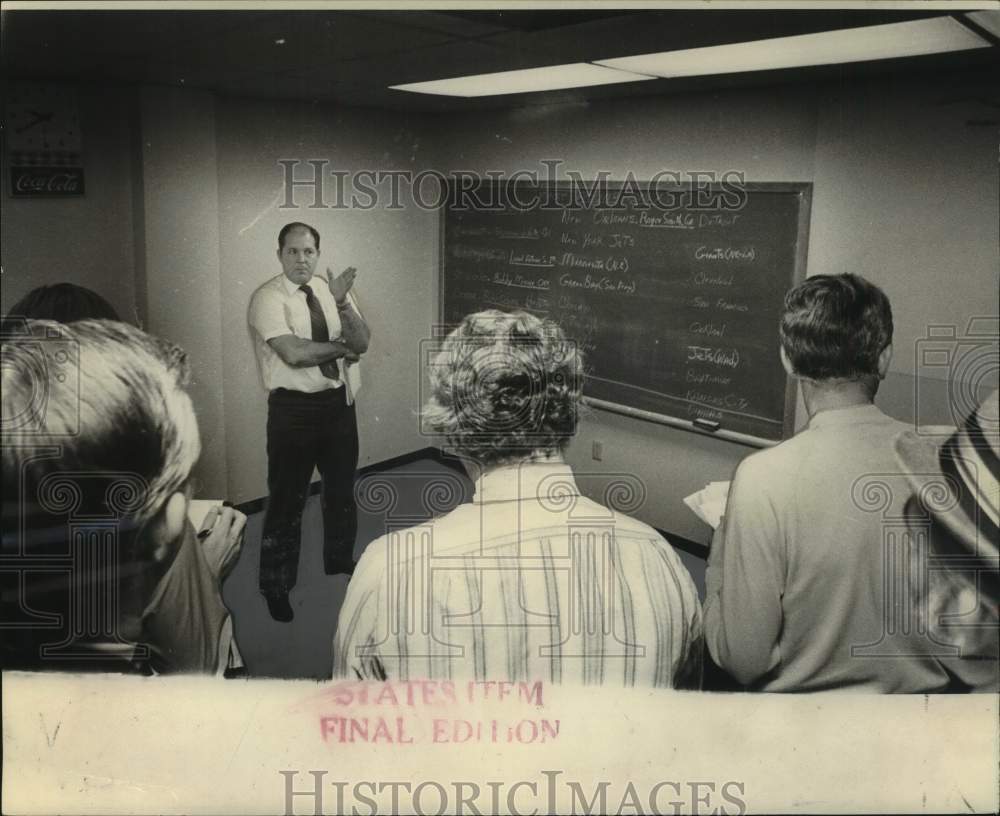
(351, 57)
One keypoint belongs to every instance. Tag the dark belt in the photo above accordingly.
(288, 396)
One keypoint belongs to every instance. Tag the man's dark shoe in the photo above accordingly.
(280, 608)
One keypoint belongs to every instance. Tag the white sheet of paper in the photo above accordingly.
(709, 503)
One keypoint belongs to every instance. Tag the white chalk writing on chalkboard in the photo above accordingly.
(718, 253)
(677, 309)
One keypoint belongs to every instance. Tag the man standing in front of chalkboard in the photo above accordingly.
(799, 589)
(308, 337)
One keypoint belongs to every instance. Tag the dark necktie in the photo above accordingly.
(320, 333)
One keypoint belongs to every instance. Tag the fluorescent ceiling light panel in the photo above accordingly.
(529, 80)
(910, 39)
(990, 20)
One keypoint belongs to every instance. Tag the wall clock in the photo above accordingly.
(44, 141)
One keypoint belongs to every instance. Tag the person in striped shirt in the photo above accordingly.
(531, 580)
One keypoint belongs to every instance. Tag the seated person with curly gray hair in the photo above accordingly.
(102, 570)
(531, 580)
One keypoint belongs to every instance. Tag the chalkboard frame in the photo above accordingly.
(802, 189)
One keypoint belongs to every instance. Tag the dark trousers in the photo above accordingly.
(306, 431)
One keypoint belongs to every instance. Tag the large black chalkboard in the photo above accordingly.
(674, 294)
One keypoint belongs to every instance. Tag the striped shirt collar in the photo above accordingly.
(528, 480)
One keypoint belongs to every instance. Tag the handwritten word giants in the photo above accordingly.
(705, 253)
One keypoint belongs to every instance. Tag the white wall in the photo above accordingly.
(906, 195)
(180, 248)
(394, 252)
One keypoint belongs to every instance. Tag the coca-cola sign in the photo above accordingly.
(26, 182)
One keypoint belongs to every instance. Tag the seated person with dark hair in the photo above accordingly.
(531, 580)
(63, 303)
(102, 570)
(797, 588)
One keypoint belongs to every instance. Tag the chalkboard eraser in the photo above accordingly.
(705, 424)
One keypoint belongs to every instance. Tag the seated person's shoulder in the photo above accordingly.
(371, 567)
(455, 529)
(630, 526)
(768, 475)
(759, 467)
(638, 533)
